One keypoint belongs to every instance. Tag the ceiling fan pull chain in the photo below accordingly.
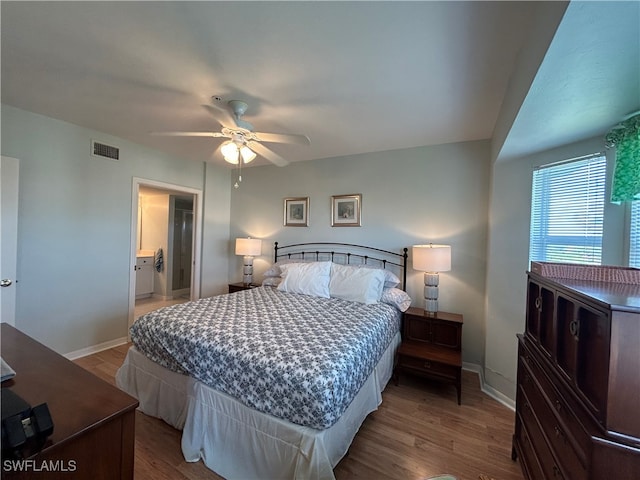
(237, 184)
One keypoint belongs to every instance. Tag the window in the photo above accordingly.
(567, 211)
(634, 237)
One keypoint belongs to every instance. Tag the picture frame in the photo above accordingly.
(296, 212)
(346, 210)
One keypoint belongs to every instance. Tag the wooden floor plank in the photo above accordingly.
(419, 431)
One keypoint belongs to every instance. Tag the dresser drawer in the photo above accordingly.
(570, 424)
(559, 438)
(528, 458)
(428, 366)
(550, 468)
(142, 261)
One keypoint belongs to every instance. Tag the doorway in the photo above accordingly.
(181, 209)
(9, 174)
(165, 245)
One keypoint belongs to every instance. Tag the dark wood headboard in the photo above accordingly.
(346, 253)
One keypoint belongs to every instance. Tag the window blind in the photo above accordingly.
(634, 238)
(567, 211)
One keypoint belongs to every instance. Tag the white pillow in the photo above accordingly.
(390, 279)
(271, 281)
(306, 278)
(396, 297)
(275, 270)
(362, 285)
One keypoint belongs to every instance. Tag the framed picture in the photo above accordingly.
(346, 210)
(296, 212)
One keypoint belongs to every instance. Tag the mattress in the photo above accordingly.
(296, 357)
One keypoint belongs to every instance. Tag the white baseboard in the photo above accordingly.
(83, 352)
(492, 392)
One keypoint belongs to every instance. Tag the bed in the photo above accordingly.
(275, 381)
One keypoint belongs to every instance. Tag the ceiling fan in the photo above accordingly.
(243, 142)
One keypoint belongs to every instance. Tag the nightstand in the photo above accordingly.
(431, 347)
(236, 287)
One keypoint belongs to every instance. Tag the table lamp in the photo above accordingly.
(249, 248)
(431, 259)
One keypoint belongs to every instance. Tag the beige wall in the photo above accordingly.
(428, 194)
(508, 254)
(74, 227)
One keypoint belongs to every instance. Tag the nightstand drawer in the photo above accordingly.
(428, 366)
(238, 287)
(442, 329)
(431, 347)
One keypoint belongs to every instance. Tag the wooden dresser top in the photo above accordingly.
(77, 399)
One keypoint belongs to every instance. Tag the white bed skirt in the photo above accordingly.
(238, 442)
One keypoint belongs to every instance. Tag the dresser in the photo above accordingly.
(94, 422)
(431, 347)
(578, 385)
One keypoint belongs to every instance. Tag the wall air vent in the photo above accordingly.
(107, 151)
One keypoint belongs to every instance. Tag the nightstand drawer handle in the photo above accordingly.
(427, 364)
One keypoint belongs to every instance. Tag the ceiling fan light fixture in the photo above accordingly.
(247, 154)
(230, 152)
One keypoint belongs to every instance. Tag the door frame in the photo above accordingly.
(197, 234)
(9, 198)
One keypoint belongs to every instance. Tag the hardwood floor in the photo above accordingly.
(419, 431)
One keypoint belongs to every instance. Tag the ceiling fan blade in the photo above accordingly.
(188, 134)
(283, 138)
(268, 154)
(223, 115)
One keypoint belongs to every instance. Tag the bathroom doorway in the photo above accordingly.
(181, 248)
(166, 220)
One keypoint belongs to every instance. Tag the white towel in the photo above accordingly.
(159, 260)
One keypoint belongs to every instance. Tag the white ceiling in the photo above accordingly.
(355, 77)
(588, 82)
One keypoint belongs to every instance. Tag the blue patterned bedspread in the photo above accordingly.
(297, 357)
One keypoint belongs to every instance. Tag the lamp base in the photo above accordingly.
(247, 270)
(431, 281)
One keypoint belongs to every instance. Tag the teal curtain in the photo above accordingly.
(626, 178)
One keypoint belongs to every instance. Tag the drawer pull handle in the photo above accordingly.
(427, 364)
(558, 406)
(559, 434)
(538, 303)
(573, 328)
(556, 472)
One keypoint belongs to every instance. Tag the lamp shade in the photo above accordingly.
(230, 152)
(248, 246)
(247, 154)
(432, 258)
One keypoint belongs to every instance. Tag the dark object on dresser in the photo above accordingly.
(579, 381)
(23, 428)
